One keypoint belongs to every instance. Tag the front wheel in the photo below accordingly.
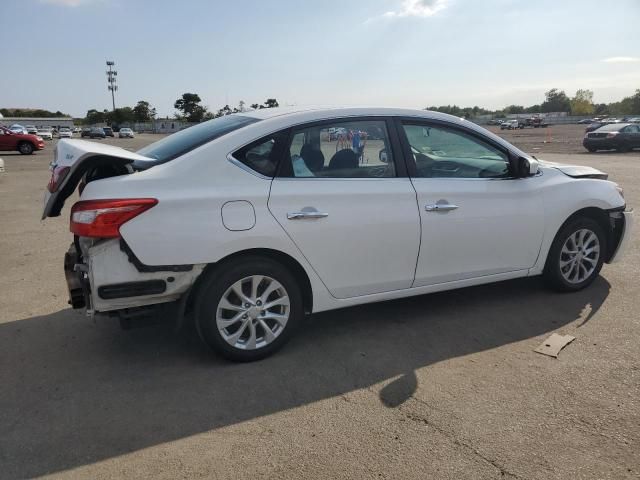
(248, 309)
(25, 148)
(576, 255)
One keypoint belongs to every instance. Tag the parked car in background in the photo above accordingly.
(495, 121)
(594, 126)
(86, 131)
(17, 128)
(31, 129)
(24, 143)
(45, 133)
(65, 132)
(125, 133)
(96, 132)
(614, 136)
(254, 210)
(586, 121)
(634, 120)
(108, 131)
(511, 125)
(77, 129)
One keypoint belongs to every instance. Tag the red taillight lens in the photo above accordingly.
(103, 218)
(57, 177)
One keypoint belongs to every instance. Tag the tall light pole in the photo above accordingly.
(111, 80)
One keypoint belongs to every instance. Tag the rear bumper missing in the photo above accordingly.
(101, 278)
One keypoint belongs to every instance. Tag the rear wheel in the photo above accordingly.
(248, 309)
(576, 255)
(591, 149)
(25, 148)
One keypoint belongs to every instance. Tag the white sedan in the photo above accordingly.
(252, 220)
(125, 133)
(45, 133)
(65, 132)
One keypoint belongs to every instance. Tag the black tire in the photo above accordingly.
(552, 273)
(25, 148)
(591, 149)
(215, 285)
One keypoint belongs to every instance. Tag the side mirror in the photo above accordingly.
(526, 167)
(382, 155)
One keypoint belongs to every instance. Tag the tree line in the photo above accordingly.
(28, 112)
(556, 100)
(188, 106)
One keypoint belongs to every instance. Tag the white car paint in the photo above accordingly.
(45, 133)
(65, 133)
(377, 243)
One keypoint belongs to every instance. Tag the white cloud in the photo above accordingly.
(68, 3)
(621, 59)
(419, 8)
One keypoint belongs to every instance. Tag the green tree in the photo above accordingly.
(189, 105)
(514, 109)
(556, 101)
(143, 112)
(94, 116)
(271, 103)
(582, 103)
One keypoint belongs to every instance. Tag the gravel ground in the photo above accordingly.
(553, 139)
(439, 386)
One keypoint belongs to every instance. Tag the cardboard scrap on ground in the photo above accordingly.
(552, 345)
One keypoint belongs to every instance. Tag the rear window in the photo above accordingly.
(181, 142)
(611, 127)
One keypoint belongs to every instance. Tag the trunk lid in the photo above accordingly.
(74, 158)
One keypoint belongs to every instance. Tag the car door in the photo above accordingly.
(348, 205)
(6, 140)
(632, 136)
(477, 220)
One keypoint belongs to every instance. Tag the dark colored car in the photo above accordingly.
(85, 132)
(96, 132)
(108, 131)
(614, 136)
(586, 121)
(26, 144)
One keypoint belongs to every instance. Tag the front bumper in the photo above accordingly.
(625, 237)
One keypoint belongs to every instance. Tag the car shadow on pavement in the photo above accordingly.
(75, 392)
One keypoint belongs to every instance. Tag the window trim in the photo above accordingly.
(394, 144)
(279, 147)
(407, 155)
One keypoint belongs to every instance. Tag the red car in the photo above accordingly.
(23, 143)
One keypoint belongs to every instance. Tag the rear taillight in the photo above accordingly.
(57, 177)
(103, 218)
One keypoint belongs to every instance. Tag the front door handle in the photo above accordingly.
(440, 207)
(305, 215)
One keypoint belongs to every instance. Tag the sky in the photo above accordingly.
(405, 53)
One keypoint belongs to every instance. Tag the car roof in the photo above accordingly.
(322, 112)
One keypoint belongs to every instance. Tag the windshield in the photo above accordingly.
(186, 140)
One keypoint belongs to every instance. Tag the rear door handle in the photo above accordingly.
(440, 207)
(305, 215)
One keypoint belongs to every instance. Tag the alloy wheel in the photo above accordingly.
(253, 312)
(579, 256)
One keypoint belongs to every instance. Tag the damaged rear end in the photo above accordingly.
(103, 274)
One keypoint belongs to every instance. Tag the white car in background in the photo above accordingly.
(31, 129)
(16, 128)
(45, 133)
(65, 132)
(251, 220)
(125, 133)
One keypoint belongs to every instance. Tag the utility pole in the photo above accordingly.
(111, 80)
